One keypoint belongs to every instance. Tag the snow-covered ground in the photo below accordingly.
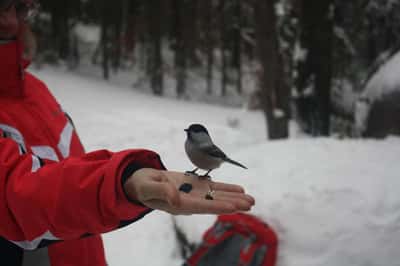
(332, 202)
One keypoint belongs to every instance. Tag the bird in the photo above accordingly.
(202, 151)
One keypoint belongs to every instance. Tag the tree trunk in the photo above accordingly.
(117, 43)
(154, 15)
(224, 48)
(60, 28)
(105, 43)
(316, 70)
(237, 45)
(180, 47)
(275, 95)
(209, 45)
(190, 30)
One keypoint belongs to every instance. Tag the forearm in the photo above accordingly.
(70, 199)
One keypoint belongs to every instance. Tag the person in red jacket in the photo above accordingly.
(55, 199)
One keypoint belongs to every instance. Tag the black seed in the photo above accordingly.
(186, 187)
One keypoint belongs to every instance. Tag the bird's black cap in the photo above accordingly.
(197, 128)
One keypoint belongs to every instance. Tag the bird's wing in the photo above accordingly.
(214, 151)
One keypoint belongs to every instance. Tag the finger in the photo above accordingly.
(231, 196)
(239, 203)
(226, 187)
(197, 205)
(190, 205)
(234, 195)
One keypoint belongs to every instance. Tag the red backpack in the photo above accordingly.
(236, 240)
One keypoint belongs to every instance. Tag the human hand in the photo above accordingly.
(160, 190)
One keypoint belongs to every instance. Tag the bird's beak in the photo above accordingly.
(186, 130)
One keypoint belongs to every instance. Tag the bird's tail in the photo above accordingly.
(235, 163)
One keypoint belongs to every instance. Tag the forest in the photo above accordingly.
(305, 57)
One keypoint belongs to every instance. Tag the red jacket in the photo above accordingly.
(51, 191)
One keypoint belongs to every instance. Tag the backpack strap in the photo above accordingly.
(213, 236)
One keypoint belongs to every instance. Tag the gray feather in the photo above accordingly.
(214, 151)
(234, 162)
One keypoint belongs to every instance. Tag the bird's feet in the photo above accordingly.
(192, 173)
(206, 176)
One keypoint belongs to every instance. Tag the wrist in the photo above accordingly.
(127, 183)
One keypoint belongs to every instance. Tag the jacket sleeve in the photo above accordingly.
(42, 203)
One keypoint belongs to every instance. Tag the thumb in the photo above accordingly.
(160, 188)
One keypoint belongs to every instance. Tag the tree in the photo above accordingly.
(155, 66)
(274, 93)
(315, 71)
(222, 7)
(105, 38)
(237, 43)
(180, 46)
(209, 25)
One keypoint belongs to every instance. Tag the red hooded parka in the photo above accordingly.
(52, 194)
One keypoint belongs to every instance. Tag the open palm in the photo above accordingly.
(160, 190)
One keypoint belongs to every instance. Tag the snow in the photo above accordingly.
(341, 34)
(300, 53)
(87, 33)
(279, 113)
(384, 82)
(343, 96)
(332, 202)
(361, 116)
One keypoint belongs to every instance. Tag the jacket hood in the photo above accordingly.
(12, 69)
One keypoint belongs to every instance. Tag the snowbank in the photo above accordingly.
(384, 82)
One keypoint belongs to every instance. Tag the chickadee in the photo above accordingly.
(202, 152)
